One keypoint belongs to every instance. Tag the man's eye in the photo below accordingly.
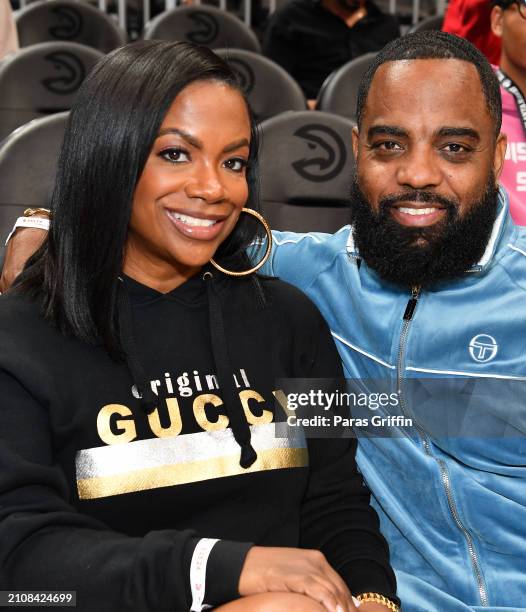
(387, 145)
(455, 147)
(236, 164)
(175, 155)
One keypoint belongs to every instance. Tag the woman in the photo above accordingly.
(138, 381)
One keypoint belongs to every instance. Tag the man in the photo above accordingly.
(508, 22)
(311, 38)
(430, 282)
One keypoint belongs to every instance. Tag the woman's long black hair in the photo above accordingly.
(108, 138)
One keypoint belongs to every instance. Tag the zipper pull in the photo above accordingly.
(411, 305)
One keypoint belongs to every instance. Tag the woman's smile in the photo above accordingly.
(198, 228)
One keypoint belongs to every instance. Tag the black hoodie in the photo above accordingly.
(100, 497)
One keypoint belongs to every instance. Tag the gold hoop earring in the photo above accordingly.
(265, 256)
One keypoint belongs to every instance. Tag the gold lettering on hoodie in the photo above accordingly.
(200, 413)
(174, 414)
(266, 415)
(124, 429)
(113, 430)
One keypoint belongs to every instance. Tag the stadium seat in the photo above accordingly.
(431, 23)
(203, 25)
(270, 89)
(339, 92)
(28, 160)
(40, 80)
(68, 20)
(306, 165)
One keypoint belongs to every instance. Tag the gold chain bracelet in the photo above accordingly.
(377, 598)
(29, 212)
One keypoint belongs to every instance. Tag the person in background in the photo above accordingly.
(311, 38)
(470, 19)
(8, 34)
(508, 22)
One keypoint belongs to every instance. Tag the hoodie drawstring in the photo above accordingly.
(236, 414)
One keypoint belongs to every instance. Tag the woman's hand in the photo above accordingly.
(24, 242)
(295, 570)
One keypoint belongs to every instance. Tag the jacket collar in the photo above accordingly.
(499, 228)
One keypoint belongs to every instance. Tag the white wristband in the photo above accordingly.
(198, 573)
(36, 222)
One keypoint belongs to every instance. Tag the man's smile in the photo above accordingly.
(417, 215)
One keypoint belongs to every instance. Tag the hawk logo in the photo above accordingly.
(71, 73)
(69, 24)
(329, 153)
(244, 73)
(483, 348)
(208, 28)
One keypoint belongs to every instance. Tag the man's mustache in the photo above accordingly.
(427, 197)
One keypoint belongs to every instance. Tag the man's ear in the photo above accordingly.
(355, 140)
(496, 21)
(500, 153)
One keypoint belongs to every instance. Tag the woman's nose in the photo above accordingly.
(206, 184)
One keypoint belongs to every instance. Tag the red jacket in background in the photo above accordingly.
(470, 19)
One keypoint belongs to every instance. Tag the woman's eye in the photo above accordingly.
(175, 156)
(236, 164)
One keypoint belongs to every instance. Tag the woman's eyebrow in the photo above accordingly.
(243, 142)
(195, 142)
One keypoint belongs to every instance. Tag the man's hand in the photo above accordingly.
(24, 242)
(295, 570)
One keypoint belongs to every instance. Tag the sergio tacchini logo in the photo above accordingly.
(483, 348)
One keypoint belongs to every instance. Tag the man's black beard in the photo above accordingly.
(412, 256)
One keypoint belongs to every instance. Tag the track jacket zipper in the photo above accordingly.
(444, 473)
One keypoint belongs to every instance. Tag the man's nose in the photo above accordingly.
(419, 169)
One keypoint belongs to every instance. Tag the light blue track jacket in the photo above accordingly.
(451, 491)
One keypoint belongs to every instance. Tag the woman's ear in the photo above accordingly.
(496, 18)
